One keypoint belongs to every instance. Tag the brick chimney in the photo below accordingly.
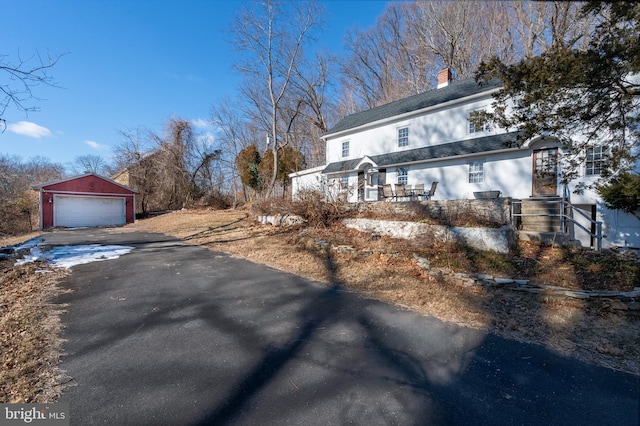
(444, 77)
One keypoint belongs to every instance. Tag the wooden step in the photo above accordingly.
(547, 211)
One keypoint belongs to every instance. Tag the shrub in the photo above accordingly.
(622, 192)
(215, 200)
(319, 209)
(19, 216)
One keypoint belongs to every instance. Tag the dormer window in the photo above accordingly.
(345, 149)
(403, 137)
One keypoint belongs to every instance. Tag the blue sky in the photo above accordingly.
(129, 64)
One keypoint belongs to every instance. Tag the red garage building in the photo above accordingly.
(87, 200)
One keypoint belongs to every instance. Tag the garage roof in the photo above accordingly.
(57, 182)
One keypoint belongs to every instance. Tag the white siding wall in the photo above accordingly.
(439, 126)
(509, 173)
(621, 229)
(310, 179)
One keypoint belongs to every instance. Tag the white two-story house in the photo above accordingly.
(429, 138)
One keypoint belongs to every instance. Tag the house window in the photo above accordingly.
(345, 148)
(476, 172)
(476, 127)
(403, 137)
(344, 183)
(596, 158)
(403, 175)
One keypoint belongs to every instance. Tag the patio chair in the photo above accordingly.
(432, 190)
(418, 190)
(387, 192)
(400, 191)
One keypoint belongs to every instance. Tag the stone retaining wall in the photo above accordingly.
(499, 239)
(280, 220)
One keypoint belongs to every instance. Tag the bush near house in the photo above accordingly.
(622, 192)
(21, 215)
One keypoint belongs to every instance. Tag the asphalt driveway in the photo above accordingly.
(174, 334)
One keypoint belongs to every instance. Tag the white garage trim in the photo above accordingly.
(75, 211)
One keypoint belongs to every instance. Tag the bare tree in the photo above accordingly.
(314, 109)
(18, 202)
(169, 169)
(411, 41)
(18, 78)
(135, 162)
(90, 164)
(537, 26)
(172, 159)
(461, 34)
(271, 37)
(234, 133)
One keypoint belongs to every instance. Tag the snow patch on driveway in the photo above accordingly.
(68, 256)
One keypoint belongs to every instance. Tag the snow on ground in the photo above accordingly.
(27, 245)
(68, 256)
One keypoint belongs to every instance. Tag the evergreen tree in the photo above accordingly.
(585, 97)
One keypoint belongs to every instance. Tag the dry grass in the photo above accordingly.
(29, 333)
(17, 239)
(595, 331)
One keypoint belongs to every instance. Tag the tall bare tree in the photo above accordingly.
(271, 37)
(537, 26)
(234, 133)
(135, 161)
(411, 41)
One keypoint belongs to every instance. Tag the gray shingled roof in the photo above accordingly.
(455, 90)
(447, 150)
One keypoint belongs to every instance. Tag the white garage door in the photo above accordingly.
(73, 211)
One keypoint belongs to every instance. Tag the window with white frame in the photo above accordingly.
(345, 149)
(595, 161)
(403, 175)
(344, 183)
(475, 127)
(403, 137)
(476, 171)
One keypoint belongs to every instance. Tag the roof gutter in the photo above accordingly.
(463, 156)
(431, 160)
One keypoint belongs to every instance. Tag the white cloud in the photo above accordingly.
(96, 145)
(201, 123)
(30, 129)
